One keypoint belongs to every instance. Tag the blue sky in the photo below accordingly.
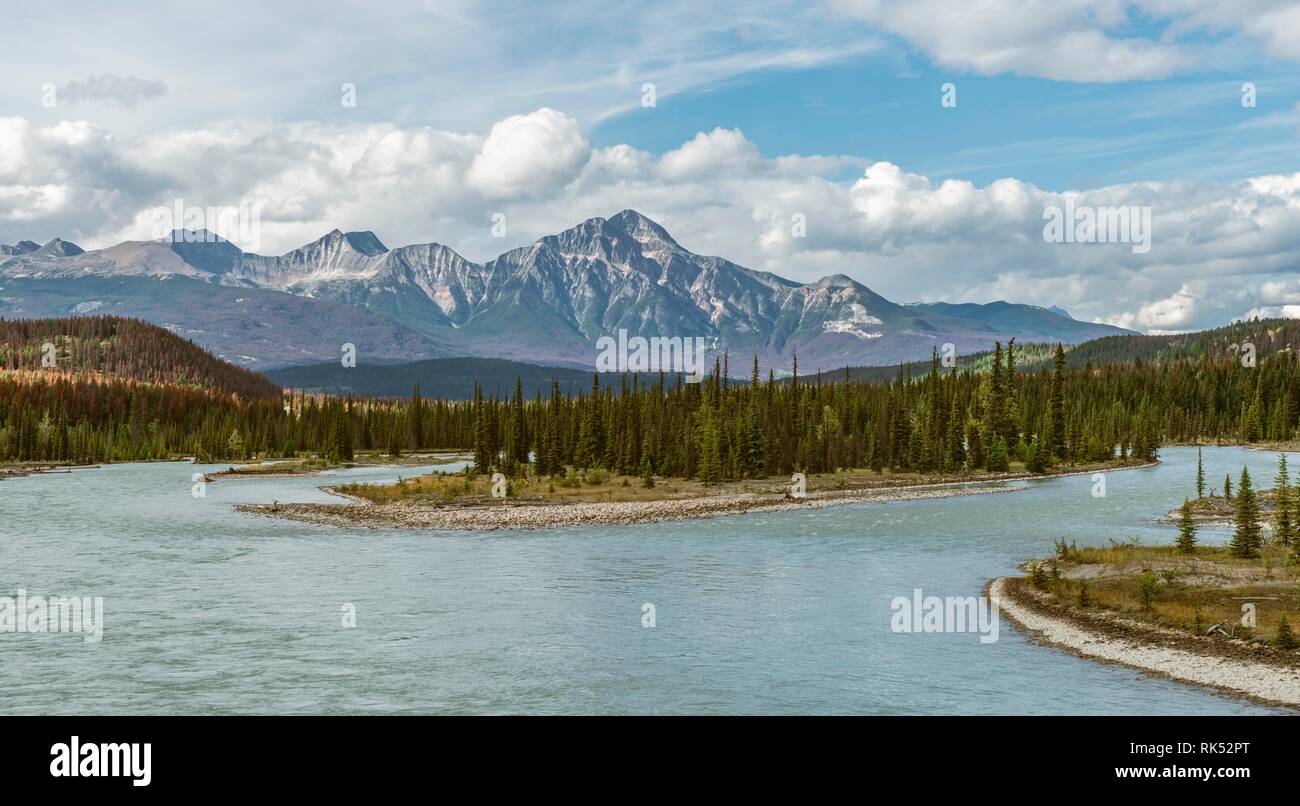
(766, 111)
(1057, 135)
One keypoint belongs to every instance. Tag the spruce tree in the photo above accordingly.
(1186, 528)
(710, 464)
(997, 460)
(956, 458)
(1200, 475)
(1035, 459)
(1056, 406)
(482, 452)
(754, 459)
(417, 418)
(1284, 507)
(1246, 539)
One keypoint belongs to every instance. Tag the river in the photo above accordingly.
(208, 610)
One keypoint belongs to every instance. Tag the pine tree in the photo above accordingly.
(1284, 526)
(710, 467)
(956, 447)
(1186, 528)
(417, 418)
(754, 459)
(517, 443)
(1200, 475)
(1035, 460)
(1056, 406)
(997, 456)
(483, 459)
(1246, 539)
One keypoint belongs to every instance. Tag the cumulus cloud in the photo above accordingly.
(1217, 250)
(1281, 292)
(527, 154)
(1171, 314)
(108, 88)
(718, 152)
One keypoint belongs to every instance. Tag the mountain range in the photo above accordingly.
(547, 302)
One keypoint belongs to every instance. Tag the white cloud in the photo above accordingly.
(527, 154)
(1077, 40)
(721, 151)
(1172, 313)
(1066, 40)
(13, 145)
(1271, 312)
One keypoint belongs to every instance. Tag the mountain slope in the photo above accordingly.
(1030, 322)
(126, 349)
(249, 326)
(552, 300)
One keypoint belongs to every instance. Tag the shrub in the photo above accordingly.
(1285, 637)
(569, 479)
(1037, 576)
(1148, 587)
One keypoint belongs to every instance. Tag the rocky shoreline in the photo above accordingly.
(548, 516)
(1232, 666)
(517, 515)
(20, 471)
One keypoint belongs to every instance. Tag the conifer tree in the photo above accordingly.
(710, 463)
(1186, 528)
(417, 418)
(1246, 538)
(517, 443)
(482, 452)
(997, 456)
(1284, 526)
(956, 458)
(1056, 406)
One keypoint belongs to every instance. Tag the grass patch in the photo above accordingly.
(1159, 585)
(599, 485)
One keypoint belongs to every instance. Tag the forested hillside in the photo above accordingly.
(947, 418)
(1267, 336)
(128, 349)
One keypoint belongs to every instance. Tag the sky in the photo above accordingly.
(913, 146)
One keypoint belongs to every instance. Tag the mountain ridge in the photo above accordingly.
(551, 300)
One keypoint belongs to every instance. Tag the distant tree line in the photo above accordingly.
(944, 419)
